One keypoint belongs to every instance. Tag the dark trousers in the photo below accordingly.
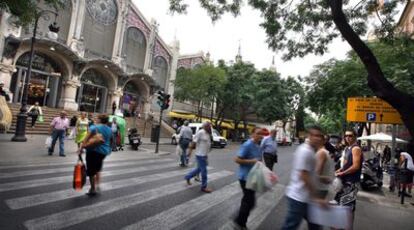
(270, 159)
(296, 212)
(58, 134)
(34, 119)
(247, 204)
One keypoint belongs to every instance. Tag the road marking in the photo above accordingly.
(30, 164)
(264, 205)
(70, 169)
(174, 217)
(78, 215)
(68, 179)
(44, 198)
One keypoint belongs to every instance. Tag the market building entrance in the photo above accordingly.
(44, 86)
(93, 93)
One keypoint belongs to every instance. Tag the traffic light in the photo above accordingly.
(161, 99)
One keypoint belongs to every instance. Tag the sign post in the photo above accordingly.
(373, 110)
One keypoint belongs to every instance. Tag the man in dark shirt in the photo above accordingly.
(3, 92)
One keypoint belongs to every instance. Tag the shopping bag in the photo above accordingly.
(40, 119)
(79, 175)
(48, 142)
(260, 178)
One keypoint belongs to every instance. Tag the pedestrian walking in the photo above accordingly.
(406, 166)
(98, 145)
(386, 155)
(202, 144)
(186, 136)
(269, 149)
(248, 155)
(57, 129)
(115, 133)
(82, 126)
(34, 112)
(350, 173)
(72, 126)
(301, 189)
(325, 169)
(113, 107)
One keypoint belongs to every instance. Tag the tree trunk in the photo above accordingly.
(402, 102)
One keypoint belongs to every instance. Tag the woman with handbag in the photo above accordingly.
(98, 145)
(35, 111)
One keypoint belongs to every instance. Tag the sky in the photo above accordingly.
(196, 33)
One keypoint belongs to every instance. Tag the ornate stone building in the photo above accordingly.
(106, 52)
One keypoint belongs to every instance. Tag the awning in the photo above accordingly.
(224, 124)
(181, 115)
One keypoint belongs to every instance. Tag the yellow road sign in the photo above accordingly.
(369, 109)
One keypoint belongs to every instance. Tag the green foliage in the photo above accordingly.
(26, 10)
(270, 98)
(202, 84)
(331, 83)
(303, 27)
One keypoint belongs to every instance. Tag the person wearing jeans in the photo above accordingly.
(202, 140)
(248, 155)
(58, 130)
(186, 136)
(301, 189)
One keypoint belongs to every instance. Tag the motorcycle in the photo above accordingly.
(371, 174)
(134, 138)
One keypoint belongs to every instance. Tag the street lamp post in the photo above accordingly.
(20, 133)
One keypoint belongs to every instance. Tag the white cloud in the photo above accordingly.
(196, 32)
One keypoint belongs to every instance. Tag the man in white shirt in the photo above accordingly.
(202, 143)
(301, 188)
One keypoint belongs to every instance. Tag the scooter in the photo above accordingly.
(134, 138)
(372, 174)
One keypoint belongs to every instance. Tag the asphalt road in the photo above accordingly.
(143, 191)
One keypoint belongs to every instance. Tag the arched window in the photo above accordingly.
(160, 71)
(99, 28)
(91, 76)
(135, 47)
(40, 62)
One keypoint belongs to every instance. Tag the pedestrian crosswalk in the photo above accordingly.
(144, 193)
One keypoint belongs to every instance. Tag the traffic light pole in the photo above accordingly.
(159, 132)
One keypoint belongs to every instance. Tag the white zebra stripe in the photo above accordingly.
(68, 179)
(78, 215)
(264, 205)
(70, 169)
(46, 164)
(44, 198)
(174, 217)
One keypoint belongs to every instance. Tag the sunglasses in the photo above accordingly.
(349, 135)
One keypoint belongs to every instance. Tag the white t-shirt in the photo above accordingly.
(304, 159)
(203, 143)
(410, 164)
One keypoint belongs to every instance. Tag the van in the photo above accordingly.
(218, 140)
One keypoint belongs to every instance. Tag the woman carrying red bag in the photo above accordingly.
(98, 145)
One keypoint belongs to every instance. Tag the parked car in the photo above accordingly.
(218, 140)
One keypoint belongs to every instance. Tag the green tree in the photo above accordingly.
(270, 98)
(331, 83)
(303, 27)
(201, 85)
(25, 10)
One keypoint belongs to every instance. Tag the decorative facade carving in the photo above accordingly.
(159, 50)
(191, 62)
(135, 21)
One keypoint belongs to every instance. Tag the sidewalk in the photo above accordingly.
(34, 151)
(384, 197)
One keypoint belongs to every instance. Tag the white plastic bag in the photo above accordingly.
(48, 142)
(260, 178)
